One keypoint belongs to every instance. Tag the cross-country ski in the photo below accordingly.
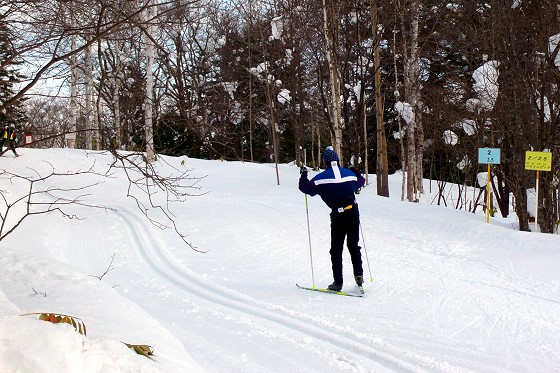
(326, 290)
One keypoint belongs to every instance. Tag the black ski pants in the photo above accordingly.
(345, 225)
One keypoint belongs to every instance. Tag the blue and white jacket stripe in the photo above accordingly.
(336, 186)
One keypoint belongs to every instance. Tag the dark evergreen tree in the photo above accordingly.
(12, 113)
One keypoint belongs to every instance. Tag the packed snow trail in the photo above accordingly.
(451, 293)
(236, 328)
(303, 337)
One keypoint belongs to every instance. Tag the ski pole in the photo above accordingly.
(365, 250)
(309, 236)
(308, 228)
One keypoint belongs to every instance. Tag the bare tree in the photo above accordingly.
(36, 199)
(330, 30)
(48, 121)
(40, 193)
(382, 162)
(144, 178)
(150, 16)
(414, 130)
(71, 136)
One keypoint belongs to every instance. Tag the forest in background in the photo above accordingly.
(413, 85)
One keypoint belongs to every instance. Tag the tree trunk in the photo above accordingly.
(71, 137)
(366, 142)
(414, 131)
(250, 64)
(151, 13)
(330, 31)
(89, 96)
(272, 112)
(272, 124)
(116, 96)
(397, 95)
(97, 138)
(382, 168)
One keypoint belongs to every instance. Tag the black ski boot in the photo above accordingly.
(359, 280)
(335, 287)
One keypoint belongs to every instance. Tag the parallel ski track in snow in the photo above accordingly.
(387, 356)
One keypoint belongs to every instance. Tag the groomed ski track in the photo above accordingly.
(396, 327)
(451, 292)
(316, 346)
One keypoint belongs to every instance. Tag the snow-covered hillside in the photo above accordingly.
(450, 293)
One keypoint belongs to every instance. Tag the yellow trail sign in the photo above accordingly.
(538, 161)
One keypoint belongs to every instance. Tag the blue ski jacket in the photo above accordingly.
(336, 185)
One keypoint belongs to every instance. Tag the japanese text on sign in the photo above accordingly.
(538, 161)
(489, 155)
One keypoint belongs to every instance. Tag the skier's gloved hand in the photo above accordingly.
(354, 170)
(303, 171)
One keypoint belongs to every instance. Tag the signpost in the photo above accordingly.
(538, 161)
(488, 156)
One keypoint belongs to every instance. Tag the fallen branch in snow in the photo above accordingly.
(110, 267)
(35, 292)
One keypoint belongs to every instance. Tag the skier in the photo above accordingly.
(336, 186)
(10, 135)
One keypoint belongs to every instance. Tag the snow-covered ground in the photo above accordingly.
(450, 293)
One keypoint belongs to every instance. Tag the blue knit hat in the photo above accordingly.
(330, 155)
